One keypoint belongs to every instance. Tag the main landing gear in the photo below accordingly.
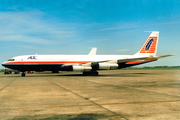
(94, 73)
(23, 74)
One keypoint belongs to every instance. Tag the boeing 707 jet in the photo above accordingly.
(87, 64)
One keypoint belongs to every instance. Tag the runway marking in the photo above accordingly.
(8, 84)
(108, 77)
(128, 87)
(101, 82)
(93, 103)
(65, 106)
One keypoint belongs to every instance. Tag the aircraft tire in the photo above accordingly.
(95, 73)
(90, 73)
(23, 74)
(86, 73)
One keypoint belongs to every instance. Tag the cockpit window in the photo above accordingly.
(11, 59)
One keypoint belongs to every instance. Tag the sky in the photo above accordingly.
(115, 27)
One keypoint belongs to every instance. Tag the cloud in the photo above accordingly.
(122, 50)
(32, 27)
(114, 28)
(97, 40)
(23, 38)
(26, 46)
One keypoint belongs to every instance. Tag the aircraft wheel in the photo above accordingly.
(91, 73)
(23, 74)
(85, 73)
(95, 73)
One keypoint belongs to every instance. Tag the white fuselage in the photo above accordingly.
(55, 62)
(65, 59)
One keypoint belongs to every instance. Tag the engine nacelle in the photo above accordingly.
(82, 69)
(104, 66)
(107, 66)
(76, 68)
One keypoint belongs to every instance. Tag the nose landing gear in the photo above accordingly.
(23, 74)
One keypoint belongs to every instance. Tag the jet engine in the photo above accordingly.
(76, 68)
(104, 66)
(82, 69)
(90, 68)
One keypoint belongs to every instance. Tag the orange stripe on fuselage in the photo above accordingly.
(48, 62)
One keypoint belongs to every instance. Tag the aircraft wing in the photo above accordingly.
(150, 58)
(164, 56)
(132, 59)
(142, 58)
(114, 63)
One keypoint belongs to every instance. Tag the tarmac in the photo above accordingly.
(113, 95)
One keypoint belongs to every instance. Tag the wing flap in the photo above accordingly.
(131, 59)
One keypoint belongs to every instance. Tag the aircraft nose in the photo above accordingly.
(4, 64)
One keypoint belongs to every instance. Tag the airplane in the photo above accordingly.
(87, 64)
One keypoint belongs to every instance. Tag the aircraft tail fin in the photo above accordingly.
(150, 46)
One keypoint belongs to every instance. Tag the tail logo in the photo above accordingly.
(149, 44)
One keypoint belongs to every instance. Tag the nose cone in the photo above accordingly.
(4, 64)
